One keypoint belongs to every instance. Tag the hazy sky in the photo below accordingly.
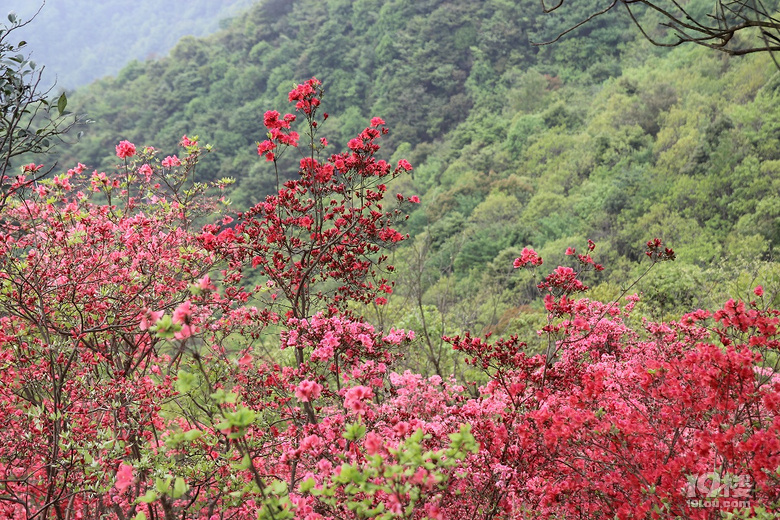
(81, 40)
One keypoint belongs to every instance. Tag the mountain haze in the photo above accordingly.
(80, 41)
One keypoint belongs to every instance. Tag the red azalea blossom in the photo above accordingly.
(31, 168)
(528, 258)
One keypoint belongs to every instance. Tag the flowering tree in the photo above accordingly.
(131, 386)
(625, 423)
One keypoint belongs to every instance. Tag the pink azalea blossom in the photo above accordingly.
(183, 316)
(31, 168)
(171, 161)
(403, 163)
(355, 397)
(308, 390)
(372, 443)
(146, 171)
(124, 477)
(186, 141)
(125, 149)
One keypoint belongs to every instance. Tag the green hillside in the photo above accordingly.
(599, 136)
(423, 65)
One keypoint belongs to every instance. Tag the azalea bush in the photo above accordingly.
(136, 378)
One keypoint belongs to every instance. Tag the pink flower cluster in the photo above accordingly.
(355, 397)
(171, 161)
(125, 149)
(307, 391)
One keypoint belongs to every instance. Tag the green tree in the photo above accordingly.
(30, 121)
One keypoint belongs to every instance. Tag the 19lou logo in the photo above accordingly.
(718, 491)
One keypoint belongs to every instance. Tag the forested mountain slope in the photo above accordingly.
(599, 136)
(422, 65)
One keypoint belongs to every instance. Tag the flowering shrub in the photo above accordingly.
(131, 384)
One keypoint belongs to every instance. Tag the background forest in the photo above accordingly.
(600, 136)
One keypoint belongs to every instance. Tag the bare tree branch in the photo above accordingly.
(734, 27)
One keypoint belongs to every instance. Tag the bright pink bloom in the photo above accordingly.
(581, 323)
(246, 360)
(186, 141)
(125, 149)
(528, 257)
(376, 121)
(372, 443)
(146, 171)
(353, 399)
(403, 163)
(414, 199)
(204, 284)
(183, 313)
(124, 477)
(171, 161)
(308, 390)
(31, 168)
(306, 95)
(183, 316)
(265, 148)
(758, 291)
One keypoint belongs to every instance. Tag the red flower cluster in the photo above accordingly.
(528, 258)
(307, 96)
(657, 252)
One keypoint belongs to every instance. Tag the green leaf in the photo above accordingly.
(179, 488)
(245, 463)
(191, 435)
(185, 381)
(277, 487)
(140, 516)
(162, 484)
(307, 485)
(62, 102)
(354, 431)
(221, 397)
(148, 498)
